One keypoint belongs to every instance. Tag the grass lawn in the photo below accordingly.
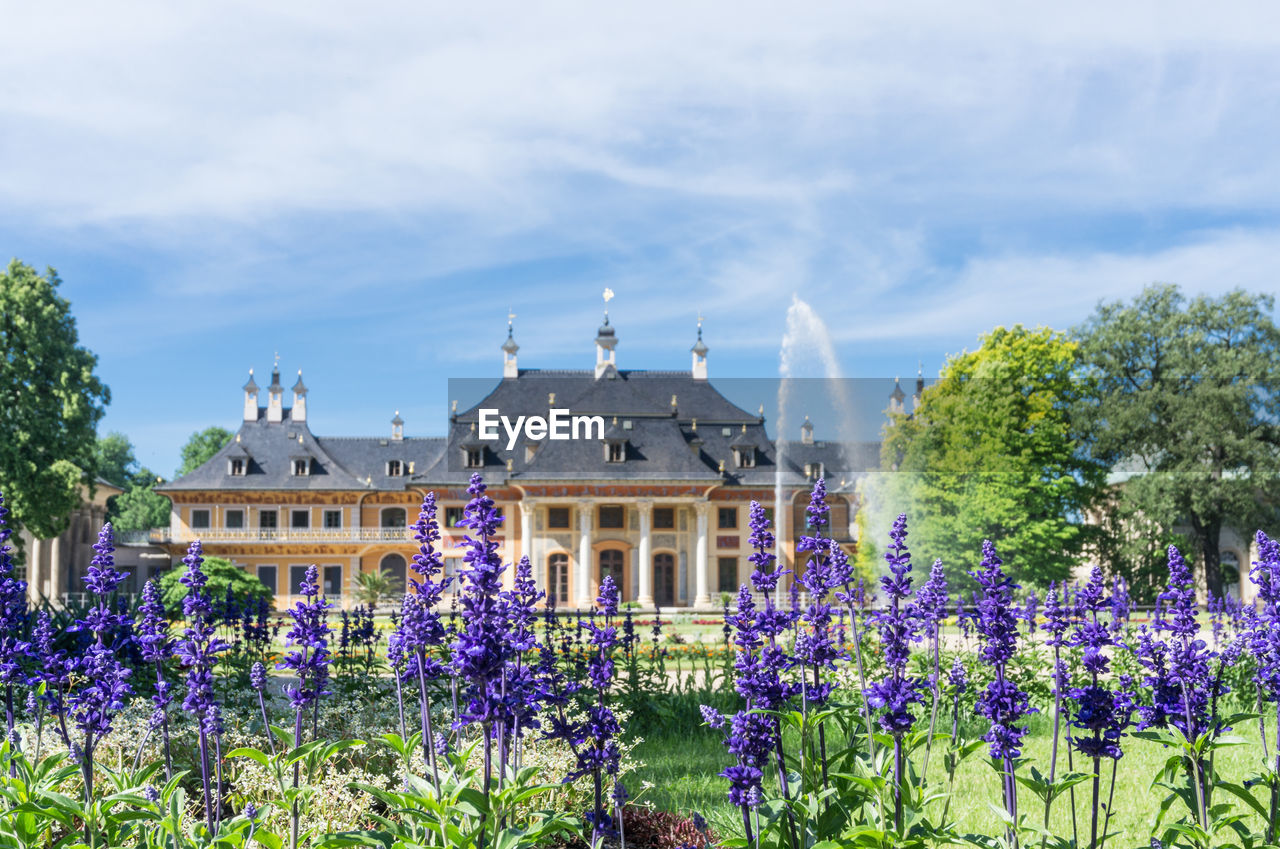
(682, 765)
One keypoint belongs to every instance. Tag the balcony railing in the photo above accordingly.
(163, 535)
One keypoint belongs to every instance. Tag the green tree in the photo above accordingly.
(222, 573)
(201, 446)
(139, 507)
(115, 460)
(50, 402)
(991, 454)
(1184, 401)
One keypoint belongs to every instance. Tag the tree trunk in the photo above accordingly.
(1207, 533)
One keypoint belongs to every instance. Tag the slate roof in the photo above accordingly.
(684, 443)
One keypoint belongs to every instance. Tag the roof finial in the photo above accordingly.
(608, 296)
(277, 362)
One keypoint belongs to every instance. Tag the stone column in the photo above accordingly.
(645, 597)
(37, 578)
(526, 531)
(56, 572)
(703, 596)
(582, 569)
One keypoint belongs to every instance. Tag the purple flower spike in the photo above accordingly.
(307, 644)
(898, 626)
(1002, 703)
(13, 620)
(198, 651)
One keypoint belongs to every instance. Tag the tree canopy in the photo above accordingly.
(52, 402)
(139, 507)
(201, 446)
(990, 453)
(116, 463)
(224, 577)
(1184, 403)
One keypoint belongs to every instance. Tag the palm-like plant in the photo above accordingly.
(373, 587)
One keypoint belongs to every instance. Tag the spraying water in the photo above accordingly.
(806, 351)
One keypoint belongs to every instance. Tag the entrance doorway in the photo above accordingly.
(664, 580)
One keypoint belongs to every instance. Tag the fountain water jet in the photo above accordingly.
(806, 347)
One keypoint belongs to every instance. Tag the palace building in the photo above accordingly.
(654, 490)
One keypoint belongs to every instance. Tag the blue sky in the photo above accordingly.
(368, 194)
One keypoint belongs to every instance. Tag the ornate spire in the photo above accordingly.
(275, 394)
(806, 432)
(606, 341)
(509, 348)
(896, 397)
(251, 399)
(699, 349)
(299, 411)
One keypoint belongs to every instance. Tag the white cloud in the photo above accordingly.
(249, 111)
(1060, 290)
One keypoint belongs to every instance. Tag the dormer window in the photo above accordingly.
(615, 442)
(236, 466)
(394, 468)
(302, 465)
(746, 458)
(475, 458)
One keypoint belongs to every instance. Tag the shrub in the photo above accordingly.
(222, 574)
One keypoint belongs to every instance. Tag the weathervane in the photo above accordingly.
(277, 362)
(608, 296)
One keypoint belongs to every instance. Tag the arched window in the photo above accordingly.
(393, 565)
(558, 579)
(664, 579)
(611, 564)
(393, 517)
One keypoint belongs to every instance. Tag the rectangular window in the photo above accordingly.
(612, 516)
(452, 516)
(267, 519)
(475, 458)
(393, 468)
(233, 519)
(332, 581)
(302, 466)
(558, 517)
(300, 519)
(296, 576)
(728, 517)
(267, 574)
(728, 568)
(617, 452)
(664, 517)
(333, 518)
(200, 519)
(237, 466)
(451, 566)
